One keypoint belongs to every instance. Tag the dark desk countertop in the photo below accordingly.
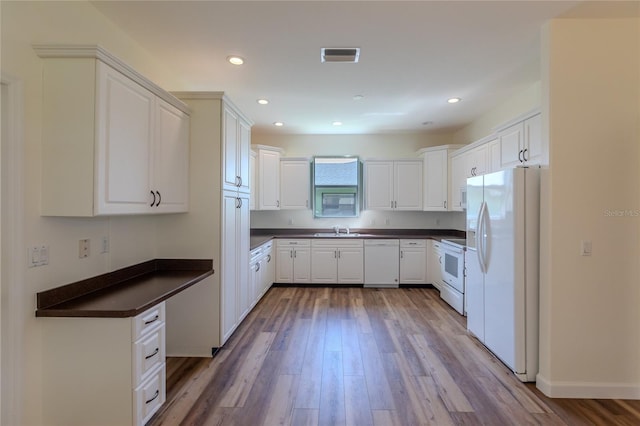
(126, 292)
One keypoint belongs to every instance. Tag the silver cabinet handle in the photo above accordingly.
(257, 266)
(154, 198)
(159, 198)
(294, 254)
(277, 203)
(392, 204)
(401, 254)
(153, 354)
(445, 204)
(240, 179)
(268, 258)
(523, 154)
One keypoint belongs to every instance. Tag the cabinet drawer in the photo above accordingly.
(148, 352)
(150, 395)
(413, 243)
(148, 321)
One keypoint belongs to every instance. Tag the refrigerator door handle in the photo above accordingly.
(480, 237)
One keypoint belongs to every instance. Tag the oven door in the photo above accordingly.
(453, 267)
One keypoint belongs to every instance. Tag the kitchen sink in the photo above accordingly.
(334, 235)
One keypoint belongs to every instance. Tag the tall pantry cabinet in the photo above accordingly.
(205, 315)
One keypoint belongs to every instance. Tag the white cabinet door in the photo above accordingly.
(293, 261)
(493, 156)
(351, 265)
(393, 185)
(302, 265)
(268, 181)
(413, 262)
(379, 185)
(171, 159)
(228, 270)
(408, 185)
(521, 144)
(243, 229)
(477, 161)
(511, 143)
(458, 180)
(324, 265)
(252, 179)
(124, 144)
(268, 269)
(243, 153)
(230, 151)
(436, 180)
(532, 153)
(295, 183)
(284, 265)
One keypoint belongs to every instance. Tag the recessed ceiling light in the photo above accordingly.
(454, 100)
(427, 123)
(358, 97)
(337, 123)
(263, 101)
(278, 123)
(235, 60)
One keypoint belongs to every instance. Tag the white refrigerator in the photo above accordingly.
(503, 217)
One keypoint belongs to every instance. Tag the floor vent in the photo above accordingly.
(345, 54)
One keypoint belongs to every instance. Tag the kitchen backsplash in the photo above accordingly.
(367, 219)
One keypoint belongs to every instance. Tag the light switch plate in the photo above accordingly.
(585, 248)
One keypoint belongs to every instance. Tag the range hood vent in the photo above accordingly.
(340, 54)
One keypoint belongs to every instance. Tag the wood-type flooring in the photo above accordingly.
(355, 356)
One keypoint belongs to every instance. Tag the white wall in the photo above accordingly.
(590, 306)
(132, 238)
(518, 104)
(365, 146)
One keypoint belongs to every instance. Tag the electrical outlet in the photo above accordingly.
(83, 248)
(387, 221)
(44, 255)
(37, 256)
(585, 248)
(105, 245)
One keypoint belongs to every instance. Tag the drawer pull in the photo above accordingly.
(154, 397)
(153, 354)
(153, 320)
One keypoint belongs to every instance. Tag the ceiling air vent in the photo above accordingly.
(344, 54)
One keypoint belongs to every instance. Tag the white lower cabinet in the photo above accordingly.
(261, 271)
(104, 371)
(434, 265)
(293, 261)
(337, 262)
(413, 262)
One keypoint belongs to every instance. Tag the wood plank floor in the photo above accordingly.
(355, 356)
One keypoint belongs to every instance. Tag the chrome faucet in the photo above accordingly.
(336, 229)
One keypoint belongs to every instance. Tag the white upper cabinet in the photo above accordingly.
(393, 185)
(267, 177)
(113, 142)
(436, 177)
(493, 156)
(236, 146)
(521, 143)
(295, 184)
(171, 161)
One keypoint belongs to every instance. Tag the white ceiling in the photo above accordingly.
(414, 56)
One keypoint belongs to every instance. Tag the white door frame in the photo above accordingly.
(13, 259)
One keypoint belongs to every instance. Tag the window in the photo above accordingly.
(336, 186)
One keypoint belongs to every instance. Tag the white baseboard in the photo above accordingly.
(587, 390)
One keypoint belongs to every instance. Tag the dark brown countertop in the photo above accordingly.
(126, 292)
(262, 235)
